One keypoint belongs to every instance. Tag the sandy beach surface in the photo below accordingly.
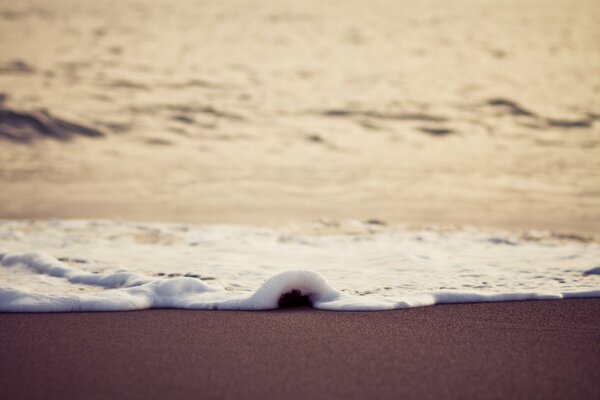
(469, 112)
(524, 350)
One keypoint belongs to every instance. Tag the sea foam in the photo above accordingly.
(109, 266)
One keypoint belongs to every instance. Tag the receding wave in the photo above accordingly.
(118, 291)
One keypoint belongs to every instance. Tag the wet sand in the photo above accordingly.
(522, 350)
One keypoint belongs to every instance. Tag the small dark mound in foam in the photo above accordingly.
(292, 299)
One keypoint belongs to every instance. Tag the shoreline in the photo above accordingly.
(532, 349)
(325, 225)
(292, 213)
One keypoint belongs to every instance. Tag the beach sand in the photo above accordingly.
(521, 350)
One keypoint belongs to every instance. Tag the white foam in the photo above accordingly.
(118, 266)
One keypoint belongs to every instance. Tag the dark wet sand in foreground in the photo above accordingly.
(537, 349)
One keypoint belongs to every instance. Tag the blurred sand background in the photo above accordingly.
(468, 112)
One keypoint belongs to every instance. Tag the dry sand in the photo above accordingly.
(274, 112)
(526, 350)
